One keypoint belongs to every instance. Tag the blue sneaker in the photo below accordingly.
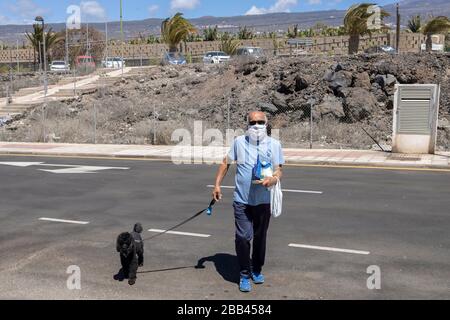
(258, 278)
(244, 284)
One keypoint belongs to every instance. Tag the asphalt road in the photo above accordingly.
(397, 220)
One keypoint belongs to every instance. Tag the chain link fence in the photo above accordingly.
(104, 120)
(443, 135)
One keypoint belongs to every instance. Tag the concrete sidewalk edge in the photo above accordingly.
(343, 164)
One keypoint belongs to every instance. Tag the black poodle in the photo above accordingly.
(131, 249)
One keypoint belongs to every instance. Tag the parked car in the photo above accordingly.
(434, 47)
(250, 54)
(173, 58)
(59, 66)
(215, 57)
(115, 63)
(254, 52)
(85, 62)
(381, 49)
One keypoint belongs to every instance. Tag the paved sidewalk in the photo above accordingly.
(215, 154)
(39, 95)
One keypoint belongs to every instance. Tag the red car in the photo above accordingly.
(85, 61)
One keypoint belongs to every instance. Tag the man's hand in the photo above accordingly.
(269, 182)
(217, 193)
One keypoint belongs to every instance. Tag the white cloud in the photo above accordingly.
(279, 6)
(92, 10)
(184, 4)
(153, 9)
(27, 10)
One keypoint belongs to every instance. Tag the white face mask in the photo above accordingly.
(258, 132)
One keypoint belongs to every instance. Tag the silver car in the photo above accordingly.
(216, 57)
(173, 58)
(254, 52)
(113, 62)
(59, 66)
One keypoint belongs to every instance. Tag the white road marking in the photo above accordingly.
(82, 169)
(182, 233)
(284, 190)
(63, 221)
(73, 168)
(21, 164)
(305, 246)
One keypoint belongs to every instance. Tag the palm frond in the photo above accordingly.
(176, 29)
(437, 25)
(414, 24)
(228, 44)
(356, 20)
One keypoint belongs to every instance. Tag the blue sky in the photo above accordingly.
(24, 11)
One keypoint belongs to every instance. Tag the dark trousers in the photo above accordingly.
(251, 223)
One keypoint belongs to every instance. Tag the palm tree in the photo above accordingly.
(277, 44)
(356, 23)
(228, 44)
(245, 33)
(292, 33)
(320, 28)
(210, 34)
(175, 30)
(435, 25)
(36, 39)
(151, 39)
(414, 24)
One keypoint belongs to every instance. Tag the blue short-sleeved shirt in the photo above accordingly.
(245, 153)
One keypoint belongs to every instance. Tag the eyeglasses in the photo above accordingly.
(252, 123)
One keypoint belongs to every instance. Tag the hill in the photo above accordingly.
(261, 23)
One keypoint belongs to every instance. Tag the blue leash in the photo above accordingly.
(208, 212)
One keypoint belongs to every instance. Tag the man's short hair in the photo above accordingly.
(248, 116)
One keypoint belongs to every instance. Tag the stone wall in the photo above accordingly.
(11, 55)
(409, 42)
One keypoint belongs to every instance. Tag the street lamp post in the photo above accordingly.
(121, 19)
(67, 47)
(40, 19)
(121, 31)
(397, 30)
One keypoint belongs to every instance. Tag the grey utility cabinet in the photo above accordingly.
(416, 108)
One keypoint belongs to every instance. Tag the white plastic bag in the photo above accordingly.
(276, 199)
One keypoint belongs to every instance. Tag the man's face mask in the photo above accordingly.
(257, 130)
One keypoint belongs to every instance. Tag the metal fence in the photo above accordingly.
(95, 122)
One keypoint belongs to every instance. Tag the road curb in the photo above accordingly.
(344, 164)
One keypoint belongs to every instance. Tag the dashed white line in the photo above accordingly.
(302, 191)
(182, 233)
(284, 190)
(63, 221)
(305, 246)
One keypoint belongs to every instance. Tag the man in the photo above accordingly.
(251, 204)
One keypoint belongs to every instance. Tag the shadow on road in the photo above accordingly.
(226, 265)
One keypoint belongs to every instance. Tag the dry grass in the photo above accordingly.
(330, 133)
(25, 81)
